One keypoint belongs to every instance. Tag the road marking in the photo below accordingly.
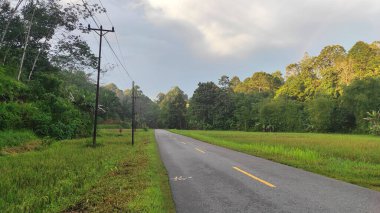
(199, 150)
(180, 178)
(183, 142)
(254, 177)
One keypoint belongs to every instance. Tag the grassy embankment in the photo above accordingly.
(72, 176)
(15, 138)
(351, 158)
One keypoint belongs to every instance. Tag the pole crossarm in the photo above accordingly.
(101, 29)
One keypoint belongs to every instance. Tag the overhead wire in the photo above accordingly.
(107, 41)
(117, 39)
(94, 18)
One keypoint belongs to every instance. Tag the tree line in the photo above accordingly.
(336, 91)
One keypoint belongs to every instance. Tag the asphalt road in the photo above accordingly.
(208, 178)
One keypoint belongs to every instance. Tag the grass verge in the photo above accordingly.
(72, 176)
(351, 158)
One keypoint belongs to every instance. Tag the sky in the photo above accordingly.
(167, 43)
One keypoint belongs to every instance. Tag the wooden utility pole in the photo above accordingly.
(101, 32)
(133, 113)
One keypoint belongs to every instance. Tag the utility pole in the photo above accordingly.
(101, 33)
(133, 113)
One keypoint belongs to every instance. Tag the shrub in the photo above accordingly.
(283, 115)
(10, 88)
(360, 97)
(374, 122)
(321, 111)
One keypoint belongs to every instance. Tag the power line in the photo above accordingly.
(117, 39)
(95, 22)
(85, 6)
(106, 13)
(108, 43)
(125, 69)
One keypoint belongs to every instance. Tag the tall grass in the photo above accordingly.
(58, 178)
(351, 158)
(12, 138)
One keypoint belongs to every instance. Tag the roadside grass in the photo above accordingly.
(109, 126)
(12, 138)
(71, 175)
(351, 158)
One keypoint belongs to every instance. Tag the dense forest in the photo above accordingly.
(47, 87)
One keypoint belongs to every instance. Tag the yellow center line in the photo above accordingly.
(199, 150)
(254, 177)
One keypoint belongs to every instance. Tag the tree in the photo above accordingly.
(366, 60)
(330, 56)
(234, 82)
(160, 97)
(202, 105)
(211, 107)
(321, 113)
(259, 82)
(173, 109)
(224, 82)
(360, 97)
(282, 115)
(246, 110)
(30, 38)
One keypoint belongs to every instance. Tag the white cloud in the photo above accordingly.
(239, 27)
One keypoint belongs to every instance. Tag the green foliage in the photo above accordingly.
(246, 113)
(211, 107)
(260, 82)
(374, 122)
(16, 115)
(321, 112)
(360, 97)
(11, 90)
(283, 115)
(173, 109)
(44, 108)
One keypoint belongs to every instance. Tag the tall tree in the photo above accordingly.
(259, 82)
(173, 109)
(211, 107)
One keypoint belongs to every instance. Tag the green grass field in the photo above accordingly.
(351, 158)
(72, 176)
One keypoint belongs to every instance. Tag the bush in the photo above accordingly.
(11, 115)
(282, 115)
(361, 97)
(374, 122)
(321, 111)
(10, 88)
(55, 117)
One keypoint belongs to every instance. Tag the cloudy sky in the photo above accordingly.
(170, 43)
